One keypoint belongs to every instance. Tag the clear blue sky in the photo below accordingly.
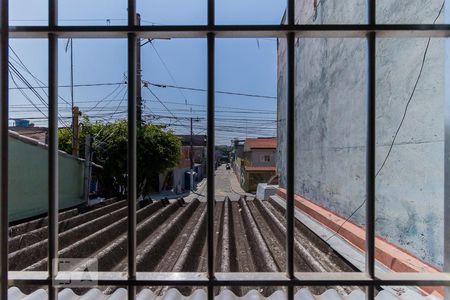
(242, 65)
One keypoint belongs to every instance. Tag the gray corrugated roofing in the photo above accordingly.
(173, 294)
(171, 237)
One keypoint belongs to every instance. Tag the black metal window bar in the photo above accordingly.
(211, 31)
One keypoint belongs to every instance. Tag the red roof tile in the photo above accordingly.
(261, 143)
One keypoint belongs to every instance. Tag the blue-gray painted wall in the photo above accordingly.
(331, 131)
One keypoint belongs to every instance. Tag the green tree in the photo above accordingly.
(157, 151)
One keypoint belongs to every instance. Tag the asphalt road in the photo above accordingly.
(226, 184)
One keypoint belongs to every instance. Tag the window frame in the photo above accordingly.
(290, 31)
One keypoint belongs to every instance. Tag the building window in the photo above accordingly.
(265, 158)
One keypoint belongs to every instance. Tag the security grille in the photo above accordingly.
(289, 31)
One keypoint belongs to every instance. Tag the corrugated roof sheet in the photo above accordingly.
(261, 143)
(199, 294)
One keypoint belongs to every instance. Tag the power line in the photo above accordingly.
(159, 85)
(162, 103)
(259, 111)
(117, 108)
(218, 92)
(25, 68)
(401, 122)
(168, 71)
(75, 85)
(26, 96)
(104, 98)
(26, 82)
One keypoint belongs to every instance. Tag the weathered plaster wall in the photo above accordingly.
(331, 130)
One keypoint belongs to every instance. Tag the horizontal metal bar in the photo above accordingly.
(240, 279)
(416, 279)
(234, 31)
(28, 278)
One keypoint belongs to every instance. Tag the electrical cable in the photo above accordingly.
(75, 85)
(168, 71)
(25, 81)
(162, 103)
(218, 92)
(104, 98)
(117, 108)
(159, 85)
(400, 125)
(26, 96)
(25, 68)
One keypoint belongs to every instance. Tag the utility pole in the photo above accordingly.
(191, 152)
(75, 131)
(139, 77)
(71, 71)
(87, 168)
(75, 113)
(192, 158)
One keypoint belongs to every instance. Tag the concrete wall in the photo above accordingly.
(249, 180)
(331, 130)
(28, 178)
(179, 178)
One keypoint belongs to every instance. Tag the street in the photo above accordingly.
(226, 184)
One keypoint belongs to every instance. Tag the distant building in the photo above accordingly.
(25, 128)
(177, 179)
(197, 139)
(256, 163)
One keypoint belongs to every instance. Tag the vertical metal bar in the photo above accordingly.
(211, 13)
(447, 152)
(447, 171)
(370, 149)
(53, 163)
(290, 149)
(132, 122)
(139, 77)
(4, 44)
(210, 164)
(290, 160)
(291, 12)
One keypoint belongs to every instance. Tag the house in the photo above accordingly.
(257, 163)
